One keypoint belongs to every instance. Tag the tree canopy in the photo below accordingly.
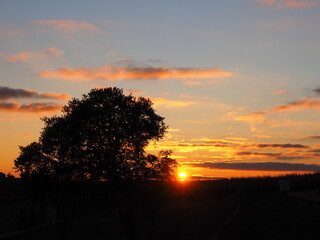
(101, 136)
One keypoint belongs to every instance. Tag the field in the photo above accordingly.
(251, 208)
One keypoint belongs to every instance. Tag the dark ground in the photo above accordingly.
(276, 216)
(213, 210)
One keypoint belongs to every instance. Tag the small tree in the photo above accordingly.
(100, 137)
(33, 162)
(2, 176)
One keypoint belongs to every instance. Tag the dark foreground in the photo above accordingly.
(224, 209)
(276, 216)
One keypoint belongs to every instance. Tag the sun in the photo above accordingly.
(182, 175)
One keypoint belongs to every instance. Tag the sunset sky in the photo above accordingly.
(238, 82)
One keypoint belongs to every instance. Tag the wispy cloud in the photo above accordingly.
(124, 60)
(317, 151)
(173, 130)
(171, 103)
(301, 104)
(26, 56)
(277, 145)
(112, 73)
(16, 93)
(288, 3)
(27, 135)
(246, 153)
(29, 108)
(66, 25)
(230, 150)
(289, 123)
(231, 146)
(317, 91)
(193, 83)
(313, 137)
(277, 155)
(280, 92)
(252, 116)
(259, 166)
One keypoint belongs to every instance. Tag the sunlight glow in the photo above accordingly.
(182, 174)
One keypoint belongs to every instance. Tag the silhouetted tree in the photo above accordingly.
(101, 136)
(2, 176)
(10, 176)
(33, 162)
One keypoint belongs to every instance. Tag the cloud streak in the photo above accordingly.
(278, 145)
(308, 103)
(66, 25)
(288, 3)
(40, 107)
(302, 104)
(278, 155)
(171, 103)
(27, 56)
(313, 137)
(252, 116)
(259, 166)
(112, 73)
(15, 93)
(229, 146)
(316, 91)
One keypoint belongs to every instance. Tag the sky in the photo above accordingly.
(238, 82)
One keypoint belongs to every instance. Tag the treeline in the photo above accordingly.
(6, 176)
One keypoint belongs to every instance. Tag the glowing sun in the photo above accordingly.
(182, 175)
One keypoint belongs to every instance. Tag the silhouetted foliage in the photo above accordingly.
(10, 176)
(101, 136)
(33, 162)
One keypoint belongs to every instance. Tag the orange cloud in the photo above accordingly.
(15, 93)
(289, 123)
(61, 96)
(110, 73)
(192, 145)
(276, 155)
(67, 25)
(303, 103)
(26, 56)
(27, 135)
(29, 108)
(279, 92)
(192, 83)
(252, 116)
(275, 146)
(313, 137)
(173, 130)
(288, 3)
(298, 4)
(299, 105)
(171, 103)
(265, 166)
(225, 143)
(235, 150)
